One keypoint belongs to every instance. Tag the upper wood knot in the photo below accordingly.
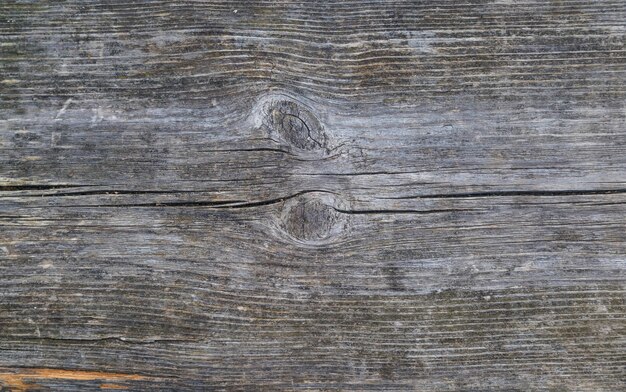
(296, 125)
(313, 217)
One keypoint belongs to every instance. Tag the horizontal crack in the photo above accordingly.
(355, 174)
(514, 193)
(108, 192)
(216, 204)
(162, 204)
(259, 149)
(233, 204)
(274, 201)
(114, 338)
(417, 212)
(33, 187)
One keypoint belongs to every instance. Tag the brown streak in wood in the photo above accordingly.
(17, 380)
(112, 386)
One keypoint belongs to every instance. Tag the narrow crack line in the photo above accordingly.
(36, 187)
(372, 173)
(113, 339)
(266, 149)
(274, 201)
(568, 192)
(308, 130)
(230, 204)
(162, 204)
(105, 192)
(415, 212)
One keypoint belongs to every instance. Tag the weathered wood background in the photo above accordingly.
(313, 195)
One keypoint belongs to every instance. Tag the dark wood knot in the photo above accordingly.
(296, 125)
(314, 217)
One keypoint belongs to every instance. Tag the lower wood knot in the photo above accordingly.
(313, 217)
(296, 125)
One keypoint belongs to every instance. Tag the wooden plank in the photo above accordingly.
(256, 195)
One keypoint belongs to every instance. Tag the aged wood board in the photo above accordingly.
(313, 195)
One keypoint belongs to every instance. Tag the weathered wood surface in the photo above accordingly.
(283, 195)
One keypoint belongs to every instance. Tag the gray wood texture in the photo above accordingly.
(313, 195)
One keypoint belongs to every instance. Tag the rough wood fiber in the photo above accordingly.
(336, 195)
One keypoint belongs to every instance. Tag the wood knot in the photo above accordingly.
(296, 125)
(313, 217)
